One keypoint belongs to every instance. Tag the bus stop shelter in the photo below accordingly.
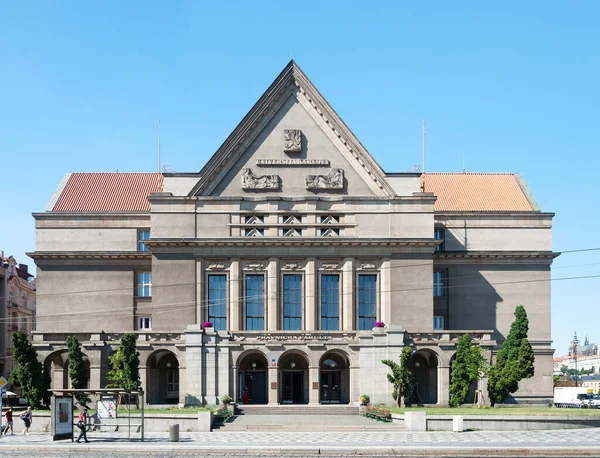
(107, 415)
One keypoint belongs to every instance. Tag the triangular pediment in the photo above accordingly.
(292, 220)
(292, 143)
(292, 233)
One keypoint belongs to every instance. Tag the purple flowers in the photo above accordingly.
(207, 324)
(379, 324)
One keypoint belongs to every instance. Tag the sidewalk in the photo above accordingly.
(580, 442)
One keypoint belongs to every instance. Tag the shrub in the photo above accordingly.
(365, 399)
(226, 399)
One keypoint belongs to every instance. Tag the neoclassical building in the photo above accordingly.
(293, 242)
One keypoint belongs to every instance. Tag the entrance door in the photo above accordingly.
(293, 387)
(330, 386)
(255, 382)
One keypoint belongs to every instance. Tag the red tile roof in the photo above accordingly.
(476, 192)
(108, 192)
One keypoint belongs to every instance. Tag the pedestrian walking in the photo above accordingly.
(82, 425)
(27, 418)
(9, 422)
(245, 395)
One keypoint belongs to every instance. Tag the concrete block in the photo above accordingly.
(458, 424)
(205, 420)
(415, 421)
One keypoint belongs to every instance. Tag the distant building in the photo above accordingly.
(590, 381)
(586, 349)
(17, 307)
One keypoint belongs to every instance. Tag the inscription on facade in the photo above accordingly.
(368, 266)
(252, 181)
(335, 180)
(292, 140)
(254, 266)
(298, 162)
(303, 336)
(216, 265)
(330, 266)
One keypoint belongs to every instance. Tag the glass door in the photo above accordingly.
(330, 387)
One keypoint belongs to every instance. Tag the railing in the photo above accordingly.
(291, 336)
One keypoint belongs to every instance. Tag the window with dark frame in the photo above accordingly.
(144, 285)
(367, 301)
(330, 302)
(292, 302)
(438, 323)
(144, 323)
(255, 302)
(217, 300)
(439, 234)
(439, 289)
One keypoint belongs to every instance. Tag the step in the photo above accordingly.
(232, 427)
(297, 410)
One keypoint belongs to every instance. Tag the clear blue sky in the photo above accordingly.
(514, 86)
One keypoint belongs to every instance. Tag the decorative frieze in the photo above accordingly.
(292, 140)
(254, 266)
(292, 266)
(215, 265)
(368, 266)
(252, 181)
(294, 162)
(335, 180)
(330, 266)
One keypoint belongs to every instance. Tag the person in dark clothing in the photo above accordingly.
(82, 425)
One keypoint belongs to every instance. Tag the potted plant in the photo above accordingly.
(226, 399)
(207, 324)
(365, 399)
(379, 324)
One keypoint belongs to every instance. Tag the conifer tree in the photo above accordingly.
(29, 373)
(460, 380)
(125, 365)
(402, 377)
(77, 372)
(514, 360)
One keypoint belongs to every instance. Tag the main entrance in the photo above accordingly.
(334, 379)
(293, 379)
(252, 379)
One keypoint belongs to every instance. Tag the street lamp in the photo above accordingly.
(575, 343)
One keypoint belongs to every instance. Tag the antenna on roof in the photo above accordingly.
(463, 157)
(423, 148)
(159, 146)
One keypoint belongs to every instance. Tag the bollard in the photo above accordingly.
(174, 433)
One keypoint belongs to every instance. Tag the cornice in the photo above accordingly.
(495, 255)
(104, 255)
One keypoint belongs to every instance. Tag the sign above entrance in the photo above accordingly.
(303, 336)
(297, 162)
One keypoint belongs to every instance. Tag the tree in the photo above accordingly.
(469, 366)
(77, 371)
(402, 377)
(514, 360)
(125, 365)
(29, 374)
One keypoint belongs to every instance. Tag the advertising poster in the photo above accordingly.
(62, 417)
(107, 407)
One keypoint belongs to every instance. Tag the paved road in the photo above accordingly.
(565, 443)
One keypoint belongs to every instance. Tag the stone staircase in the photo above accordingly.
(303, 418)
(296, 409)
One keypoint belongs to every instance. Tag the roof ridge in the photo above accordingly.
(469, 173)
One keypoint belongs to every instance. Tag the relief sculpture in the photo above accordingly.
(292, 140)
(335, 180)
(252, 181)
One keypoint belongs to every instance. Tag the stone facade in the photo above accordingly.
(292, 242)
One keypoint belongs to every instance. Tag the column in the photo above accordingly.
(199, 300)
(310, 294)
(234, 295)
(443, 385)
(95, 374)
(273, 295)
(313, 384)
(385, 292)
(348, 294)
(272, 381)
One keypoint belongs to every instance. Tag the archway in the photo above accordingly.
(252, 379)
(293, 378)
(424, 364)
(334, 379)
(162, 378)
(58, 365)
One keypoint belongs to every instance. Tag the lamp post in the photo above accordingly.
(575, 343)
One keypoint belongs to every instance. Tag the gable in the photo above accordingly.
(292, 143)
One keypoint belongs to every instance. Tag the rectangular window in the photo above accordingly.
(438, 234)
(143, 235)
(217, 301)
(255, 302)
(367, 301)
(438, 284)
(330, 298)
(144, 284)
(144, 323)
(292, 302)
(438, 323)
